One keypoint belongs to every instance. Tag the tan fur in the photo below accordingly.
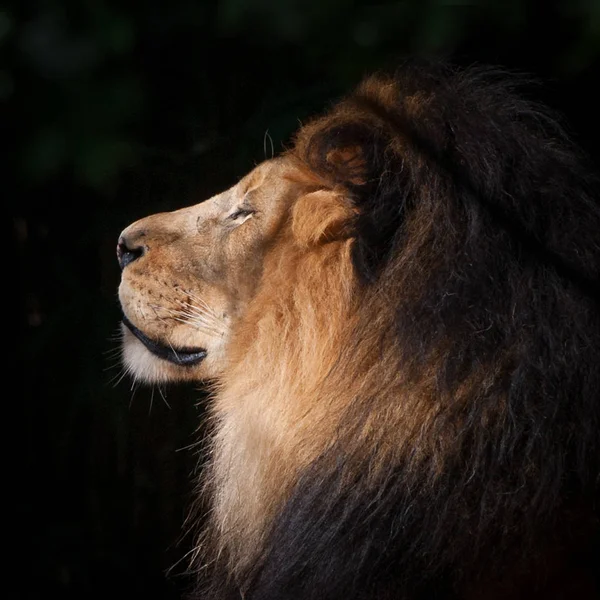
(198, 272)
(278, 396)
(281, 364)
(272, 408)
(273, 414)
(358, 389)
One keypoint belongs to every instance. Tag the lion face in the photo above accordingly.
(188, 275)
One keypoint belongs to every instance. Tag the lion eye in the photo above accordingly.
(240, 214)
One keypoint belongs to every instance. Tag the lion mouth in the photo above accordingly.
(183, 357)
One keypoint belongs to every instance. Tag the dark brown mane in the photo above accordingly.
(467, 459)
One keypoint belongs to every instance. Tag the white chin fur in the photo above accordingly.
(141, 364)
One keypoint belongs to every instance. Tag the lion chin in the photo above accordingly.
(399, 320)
(140, 354)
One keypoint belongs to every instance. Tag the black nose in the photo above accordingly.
(126, 255)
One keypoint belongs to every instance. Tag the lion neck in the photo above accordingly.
(274, 409)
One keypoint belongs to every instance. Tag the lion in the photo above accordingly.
(398, 321)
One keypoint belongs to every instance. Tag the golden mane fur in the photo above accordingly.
(405, 390)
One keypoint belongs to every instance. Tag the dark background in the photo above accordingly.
(113, 109)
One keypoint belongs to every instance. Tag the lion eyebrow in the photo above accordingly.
(247, 188)
(251, 188)
(253, 181)
(249, 194)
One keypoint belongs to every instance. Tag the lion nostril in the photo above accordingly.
(126, 255)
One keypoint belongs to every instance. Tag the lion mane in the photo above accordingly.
(412, 410)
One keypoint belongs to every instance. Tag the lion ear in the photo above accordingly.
(322, 216)
(348, 163)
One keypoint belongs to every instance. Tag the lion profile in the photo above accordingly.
(399, 318)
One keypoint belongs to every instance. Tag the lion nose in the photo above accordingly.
(127, 251)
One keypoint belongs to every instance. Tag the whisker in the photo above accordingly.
(163, 396)
(119, 377)
(203, 303)
(112, 353)
(198, 320)
(202, 317)
(115, 365)
(151, 401)
(135, 386)
(195, 314)
(176, 314)
(117, 336)
(173, 349)
(198, 310)
(155, 307)
(113, 350)
(202, 326)
(267, 136)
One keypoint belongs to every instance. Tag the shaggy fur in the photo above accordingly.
(431, 420)
(410, 402)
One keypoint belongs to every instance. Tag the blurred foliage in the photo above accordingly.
(114, 109)
(84, 73)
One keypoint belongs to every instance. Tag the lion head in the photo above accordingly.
(190, 275)
(399, 317)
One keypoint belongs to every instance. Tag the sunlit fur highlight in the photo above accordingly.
(273, 419)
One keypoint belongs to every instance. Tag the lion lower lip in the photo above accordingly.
(185, 357)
